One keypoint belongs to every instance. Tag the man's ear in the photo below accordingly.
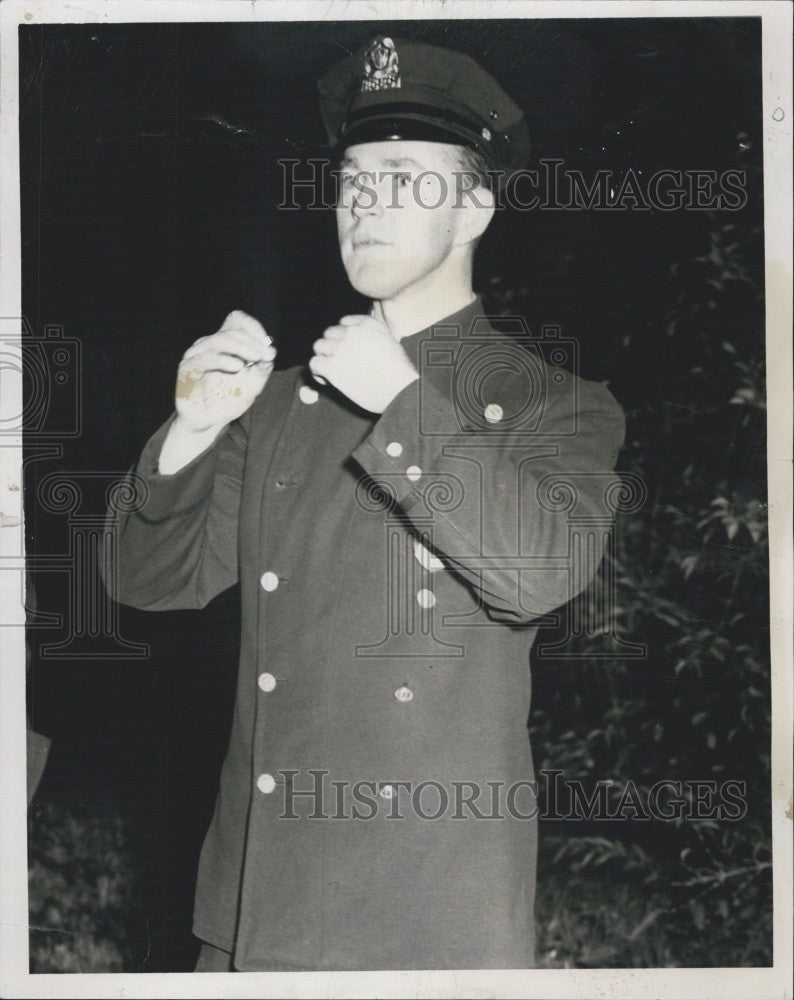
(476, 208)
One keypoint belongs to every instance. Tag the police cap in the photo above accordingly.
(394, 89)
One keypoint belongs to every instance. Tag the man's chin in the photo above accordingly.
(383, 279)
(374, 286)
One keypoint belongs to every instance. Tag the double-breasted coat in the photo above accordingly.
(375, 806)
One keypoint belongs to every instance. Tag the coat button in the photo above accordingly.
(308, 395)
(267, 682)
(403, 694)
(269, 581)
(494, 413)
(414, 473)
(266, 783)
(394, 448)
(387, 792)
(426, 598)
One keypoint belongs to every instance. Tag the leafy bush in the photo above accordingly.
(691, 585)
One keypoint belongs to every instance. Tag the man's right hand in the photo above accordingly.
(218, 379)
(220, 376)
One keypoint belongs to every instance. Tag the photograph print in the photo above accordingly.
(397, 566)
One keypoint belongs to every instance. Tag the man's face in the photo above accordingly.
(396, 217)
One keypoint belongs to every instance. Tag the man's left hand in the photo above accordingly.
(361, 358)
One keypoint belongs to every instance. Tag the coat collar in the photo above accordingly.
(463, 318)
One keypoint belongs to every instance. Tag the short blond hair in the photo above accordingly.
(472, 163)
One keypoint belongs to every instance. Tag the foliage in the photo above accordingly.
(691, 586)
(82, 892)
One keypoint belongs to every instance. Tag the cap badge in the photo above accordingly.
(381, 66)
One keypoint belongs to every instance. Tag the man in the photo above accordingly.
(387, 514)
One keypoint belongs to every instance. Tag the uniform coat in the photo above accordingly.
(390, 570)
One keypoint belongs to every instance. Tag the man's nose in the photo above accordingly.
(369, 200)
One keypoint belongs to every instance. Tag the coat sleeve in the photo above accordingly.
(179, 547)
(497, 499)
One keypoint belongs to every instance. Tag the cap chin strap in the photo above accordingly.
(414, 122)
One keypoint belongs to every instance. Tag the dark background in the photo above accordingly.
(150, 187)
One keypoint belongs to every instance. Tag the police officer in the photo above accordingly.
(387, 513)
